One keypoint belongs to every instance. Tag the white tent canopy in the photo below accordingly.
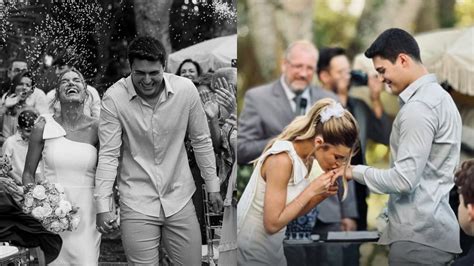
(448, 53)
(210, 54)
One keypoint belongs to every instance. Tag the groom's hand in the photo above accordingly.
(216, 202)
(106, 222)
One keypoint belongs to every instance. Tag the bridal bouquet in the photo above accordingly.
(47, 203)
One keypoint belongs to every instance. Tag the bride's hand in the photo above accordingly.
(332, 190)
(324, 184)
(106, 222)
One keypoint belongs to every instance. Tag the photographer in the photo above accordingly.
(335, 74)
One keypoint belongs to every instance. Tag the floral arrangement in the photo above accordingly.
(47, 203)
(5, 165)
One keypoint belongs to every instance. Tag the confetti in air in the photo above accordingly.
(195, 21)
(59, 28)
(224, 10)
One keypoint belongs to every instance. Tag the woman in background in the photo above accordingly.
(189, 69)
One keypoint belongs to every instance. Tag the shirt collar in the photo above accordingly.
(19, 138)
(407, 93)
(132, 92)
(289, 92)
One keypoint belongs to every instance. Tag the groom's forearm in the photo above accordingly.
(103, 191)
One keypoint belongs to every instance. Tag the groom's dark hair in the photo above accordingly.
(146, 48)
(393, 42)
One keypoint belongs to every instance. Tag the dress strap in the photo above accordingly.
(52, 129)
(299, 168)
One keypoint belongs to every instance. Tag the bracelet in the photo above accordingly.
(297, 201)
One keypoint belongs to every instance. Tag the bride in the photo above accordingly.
(279, 189)
(68, 146)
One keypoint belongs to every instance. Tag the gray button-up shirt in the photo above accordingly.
(425, 146)
(149, 144)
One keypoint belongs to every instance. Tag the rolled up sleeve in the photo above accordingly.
(110, 137)
(416, 126)
(201, 142)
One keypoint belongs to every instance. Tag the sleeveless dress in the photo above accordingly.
(255, 246)
(73, 164)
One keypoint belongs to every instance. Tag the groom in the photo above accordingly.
(143, 122)
(425, 143)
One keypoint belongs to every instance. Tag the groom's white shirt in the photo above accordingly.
(148, 142)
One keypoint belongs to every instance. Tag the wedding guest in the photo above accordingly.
(15, 66)
(23, 95)
(269, 108)
(465, 184)
(425, 143)
(189, 69)
(279, 189)
(228, 240)
(16, 146)
(218, 97)
(334, 73)
(144, 120)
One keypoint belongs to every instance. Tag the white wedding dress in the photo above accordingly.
(73, 164)
(255, 245)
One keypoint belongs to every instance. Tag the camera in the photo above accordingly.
(359, 78)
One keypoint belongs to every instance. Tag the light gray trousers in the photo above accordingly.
(409, 253)
(179, 233)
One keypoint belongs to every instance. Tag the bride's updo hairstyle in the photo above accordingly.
(327, 119)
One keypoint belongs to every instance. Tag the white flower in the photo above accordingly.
(64, 223)
(75, 221)
(60, 212)
(39, 192)
(62, 197)
(38, 212)
(65, 205)
(28, 201)
(332, 110)
(55, 226)
(59, 187)
(53, 198)
(47, 209)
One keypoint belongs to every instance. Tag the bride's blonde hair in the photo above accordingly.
(341, 130)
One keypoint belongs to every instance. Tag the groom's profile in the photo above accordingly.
(143, 123)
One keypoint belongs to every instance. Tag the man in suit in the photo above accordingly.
(269, 108)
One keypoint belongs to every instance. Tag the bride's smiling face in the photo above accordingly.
(71, 88)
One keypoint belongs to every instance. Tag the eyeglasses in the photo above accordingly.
(301, 66)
